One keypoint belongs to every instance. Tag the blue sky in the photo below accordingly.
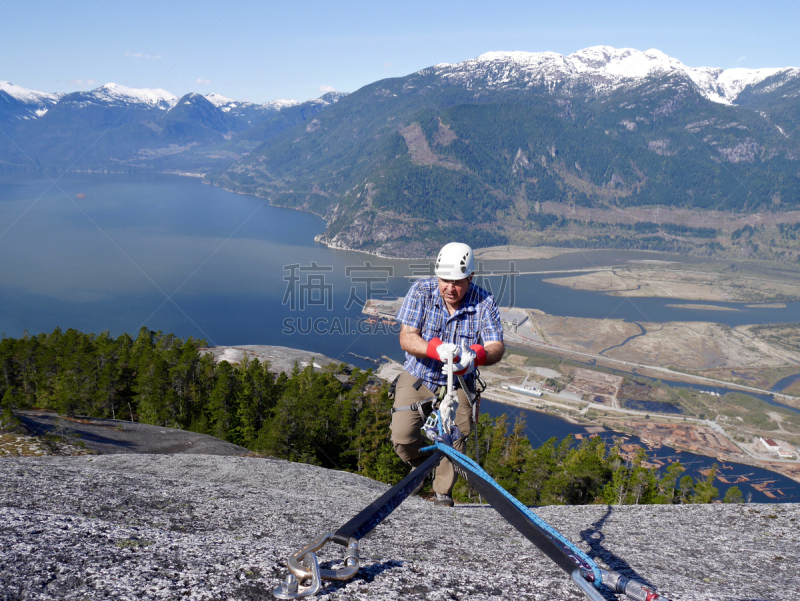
(265, 50)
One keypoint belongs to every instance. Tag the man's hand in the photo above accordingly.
(442, 351)
(471, 358)
(465, 365)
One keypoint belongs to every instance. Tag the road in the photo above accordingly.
(513, 336)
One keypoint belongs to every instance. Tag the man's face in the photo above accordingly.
(453, 291)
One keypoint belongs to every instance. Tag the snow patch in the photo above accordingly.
(219, 100)
(280, 104)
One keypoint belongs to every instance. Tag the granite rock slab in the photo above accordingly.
(195, 527)
(112, 436)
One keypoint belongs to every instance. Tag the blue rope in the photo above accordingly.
(552, 532)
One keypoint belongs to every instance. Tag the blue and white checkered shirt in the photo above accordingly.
(477, 321)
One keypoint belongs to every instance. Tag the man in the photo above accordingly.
(442, 315)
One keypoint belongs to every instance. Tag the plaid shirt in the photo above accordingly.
(477, 321)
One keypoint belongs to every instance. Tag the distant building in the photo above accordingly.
(776, 448)
(524, 389)
(770, 444)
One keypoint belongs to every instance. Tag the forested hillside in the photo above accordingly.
(335, 418)
(403, 164)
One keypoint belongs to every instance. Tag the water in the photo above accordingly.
(784, 383)
(540, 427)
(171, 254)
(174, 255)
(722, 390)
(532, 291)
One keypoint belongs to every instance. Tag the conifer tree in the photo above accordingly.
(704, 490)
(733, 495)
(668, 485)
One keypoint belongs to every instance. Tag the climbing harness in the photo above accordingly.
(583, 571)
(418, 407)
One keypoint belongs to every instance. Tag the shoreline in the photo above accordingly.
(522, 252)
(317, 238)
(544, 252)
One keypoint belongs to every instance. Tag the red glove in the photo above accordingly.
(480, 354)
(433, 346)
(439, 350)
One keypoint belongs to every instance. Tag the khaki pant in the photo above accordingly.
(408, 439)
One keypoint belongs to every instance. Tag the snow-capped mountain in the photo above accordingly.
(219, 100)
(227, 104)
(117, 126)
(18, 103)
(200, 111)
(247, 113)
(281, 104)
(28, 96)
(601, 69)
(114, 94)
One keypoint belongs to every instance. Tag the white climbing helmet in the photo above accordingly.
(455, 262)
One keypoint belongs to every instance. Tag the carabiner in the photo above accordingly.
(291, 589)
(349, 570)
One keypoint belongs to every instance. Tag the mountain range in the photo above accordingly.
(118, 128)
(497, 149)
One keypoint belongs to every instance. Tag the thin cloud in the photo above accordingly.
(81, 82)
(740, 59)
(388, 64)
(325, 89)
(202, 82)
(154, 57)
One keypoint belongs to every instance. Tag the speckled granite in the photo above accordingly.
(212, 527)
